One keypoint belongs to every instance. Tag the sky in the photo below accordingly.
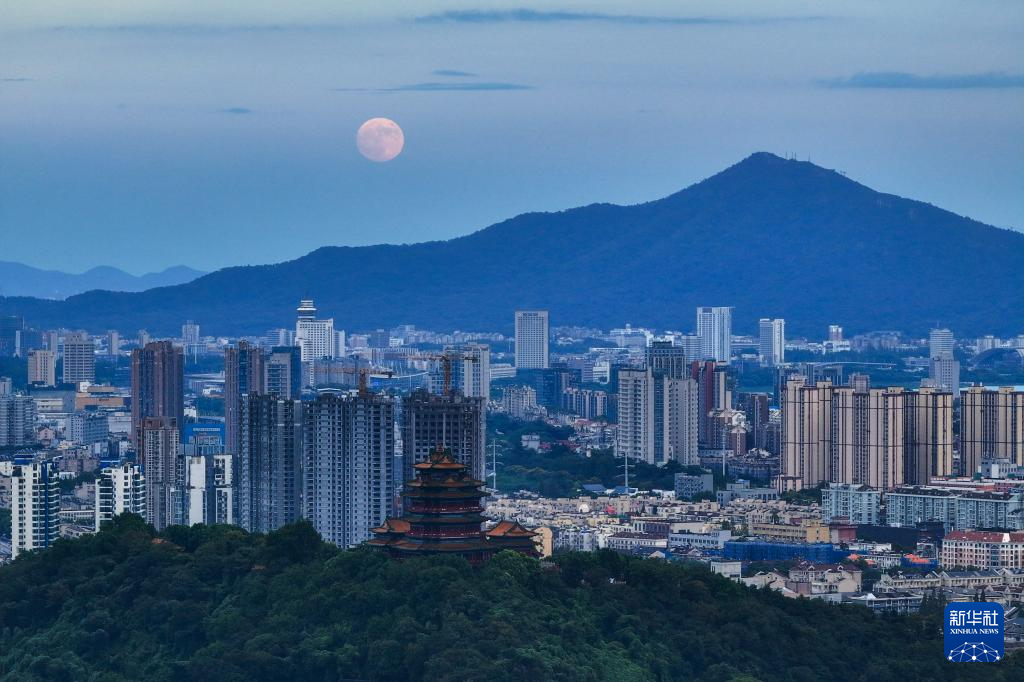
(144, 134)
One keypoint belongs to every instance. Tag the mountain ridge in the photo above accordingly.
(771, 236)
(19, 279)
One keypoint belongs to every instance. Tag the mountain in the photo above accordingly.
(217, 603)
(23, 280)
(770, 236)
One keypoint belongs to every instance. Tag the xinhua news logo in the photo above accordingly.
(974, 632)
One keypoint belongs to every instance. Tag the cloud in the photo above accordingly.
(453, 73)
(236, 110)
(910, 81)
(15, 79)
(443, 87)
(482, 16)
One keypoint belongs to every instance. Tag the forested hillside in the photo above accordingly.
(215, 603)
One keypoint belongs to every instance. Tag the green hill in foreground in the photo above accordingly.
(215, 603)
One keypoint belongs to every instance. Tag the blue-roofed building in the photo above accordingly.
(782, 551)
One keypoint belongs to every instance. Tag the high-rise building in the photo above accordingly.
(878, 437)
(941, 343)
(531, 339)
(79, 359)
(314, 337)
(471, 369)
(657, 420)
(806, 433)
(944, 373)
(929, 434)
(17, 420)
(772, 342)
(669, 360)
(453, 421)
(120, 489)
(143, 338)
(35, 507)
(163, 469)
(10, 328)
(269, 462)
(157, 390)
(714, 328)
(713, 394)
(243, 373)
(835, 333)
(758, 415)
(42, 367)
(349, 454)
(190, 334)
(991, 427)
(209, 488)
(867, 437)
(113, 343)
(284, 372)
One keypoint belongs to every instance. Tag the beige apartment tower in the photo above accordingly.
(991, 427)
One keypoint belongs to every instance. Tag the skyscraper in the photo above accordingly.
(349, 453)
(243, 373)
(991, 427)
(35, 507)
(284, 376)
(713, 393)
(929, 432)
(269, 462)
(941, 343)
(209, 487)
(806, 433)
(668, 359)
(772, 342)
(113, 343)
(314, 337)
(867, 437)
(944, 373)
(42, 367)
(471, 369)
(79, 359)
(453, 421)
(878, 437)
(163, 470)
(714, 328)
(657, 416)
(531, 339)
(157, 391)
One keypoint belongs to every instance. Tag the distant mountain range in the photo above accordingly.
(770, 236)
(23, 280)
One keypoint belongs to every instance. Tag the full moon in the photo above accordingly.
(380, 139)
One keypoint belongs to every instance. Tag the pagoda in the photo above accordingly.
(444, 515)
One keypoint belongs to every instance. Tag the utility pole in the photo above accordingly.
(494, 465)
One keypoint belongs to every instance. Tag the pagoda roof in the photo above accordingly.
(393, 526)
(440, 459)
(509, 529)
(431, 518)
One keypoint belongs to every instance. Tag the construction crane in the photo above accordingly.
(446, 358)
(364, 376)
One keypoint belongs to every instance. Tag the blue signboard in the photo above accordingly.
(974, 632)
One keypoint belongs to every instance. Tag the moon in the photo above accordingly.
(380, 139)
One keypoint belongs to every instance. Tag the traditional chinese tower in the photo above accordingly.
(443, 515)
